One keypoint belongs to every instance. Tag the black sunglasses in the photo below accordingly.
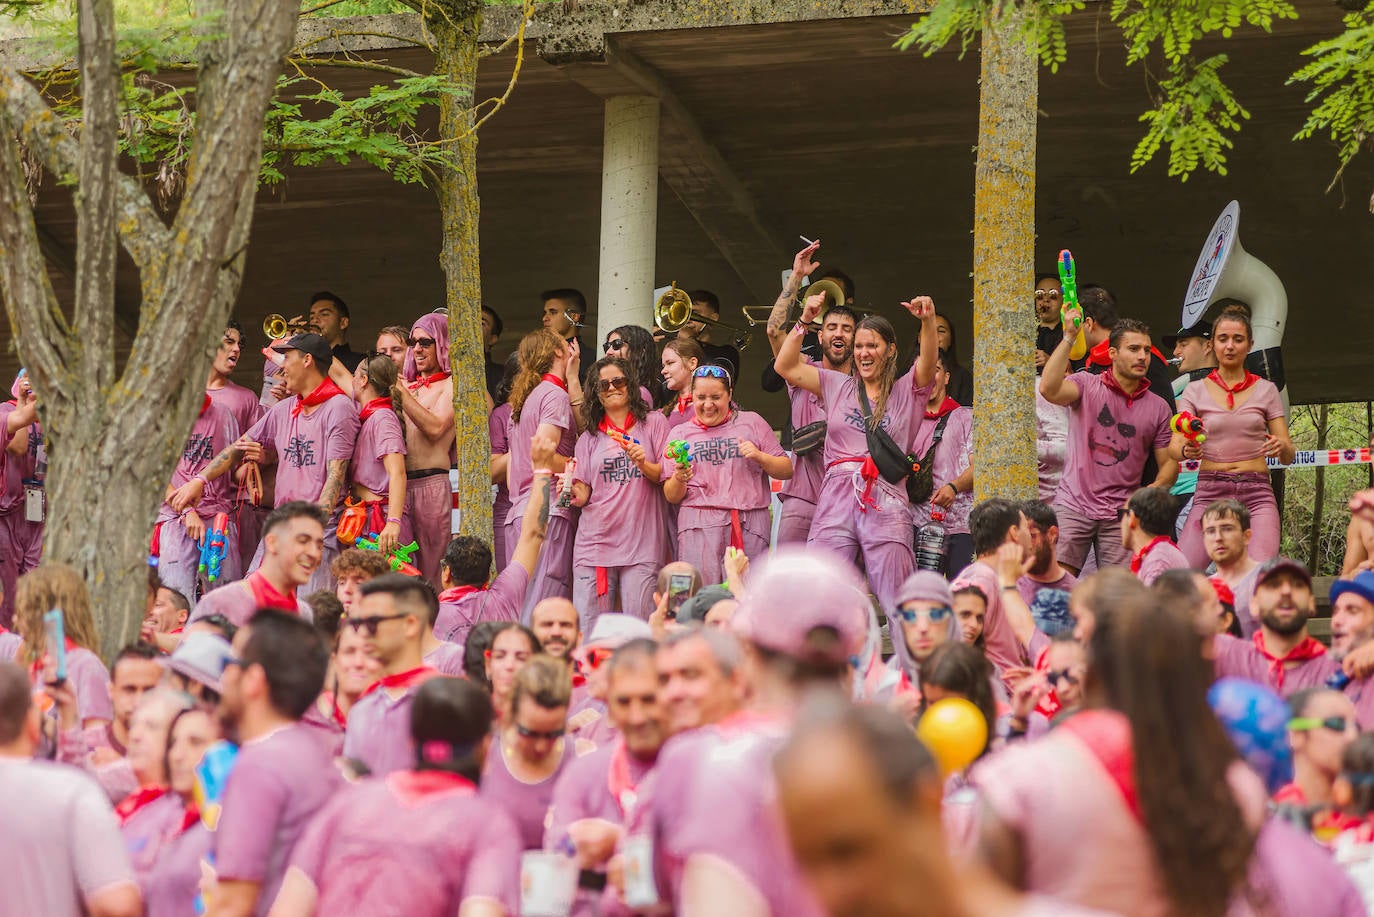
(420, 342)
(1054, 676)
(532, 734)
(615, 344)
(610, 385)
(371, 624)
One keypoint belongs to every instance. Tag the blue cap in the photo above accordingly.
(1362, 584)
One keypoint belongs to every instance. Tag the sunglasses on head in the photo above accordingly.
(711, 371)
(551, 735)
(420, 342)
(370, 624)
(1308, 723)
(933, 615)
(613, 344)
(610, 385)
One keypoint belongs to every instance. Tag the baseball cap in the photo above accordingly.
(201, 658)
(794, 592)
(1200, 330)
(614, 630)
(925, 586)
(1362, 584)
(312, 344)
(1275, 565)
(697, 607)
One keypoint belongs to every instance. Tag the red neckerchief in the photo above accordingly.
(1138, 557)
(138, 799)
(408, 679)
(607, 425)
(1106, 735)
(1291, 792)
(372, 407)
(457, 592)
(550, 377)
(683, 403)
(326, 390)
(67, 642)
(427, 381)
(413, 787)
(1109, 379)
(336, 712)
(267, 596)
(945, 407)
(624, 788)
(1309, 648)
(189, 818)
(1327, 826)
(728, 416)
(204, 406)
(1231, 391)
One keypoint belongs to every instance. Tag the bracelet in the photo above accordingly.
(799, 327)
(393, 519)
(1007, 588)
(575, 403)
(204, 482)
(950, 485)
(543, 471)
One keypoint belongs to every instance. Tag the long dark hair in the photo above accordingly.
(383, 378)
(1145, 661)
(448, 721)
(592, 409)
(883, 328)
(955, 666)
(508, 373)
(643, 356)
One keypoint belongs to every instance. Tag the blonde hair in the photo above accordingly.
(537, 351)
(49, 586)
(543, 679)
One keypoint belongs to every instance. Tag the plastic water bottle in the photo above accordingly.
(930, 543)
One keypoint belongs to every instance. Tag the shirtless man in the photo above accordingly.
(1359, 542)
(427, 401)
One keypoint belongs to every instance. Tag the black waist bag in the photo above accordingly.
(894, 463)
(804, 440)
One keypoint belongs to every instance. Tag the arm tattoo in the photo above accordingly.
(546, 495)
(221, 463)
(329, 496)
(778, 317)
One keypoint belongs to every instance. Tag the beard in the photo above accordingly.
(1044, 556)
(1281, 626)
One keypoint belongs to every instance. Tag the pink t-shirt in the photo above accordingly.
(807, 470)
(1163, 556)
(846, 437)
(999, 640)
(277, 785)
(90, 680)
(447, 659)
(526, 803)
(240, 402)
(9, 645)
(584, 791)
(1233, 435)
(547, 404)
(721, 477)
(625, 519)
(413, 843)
(1030, 589)
(498, 429)
(58, 840)
(214, 431)
(952, 458)
(378, 731)
(1240, 659)
(500, 601)
(173, 885)
(303, 446)
(19, 468)
(236, 602)
(1110, 438)
(147, 832)
(380, 435)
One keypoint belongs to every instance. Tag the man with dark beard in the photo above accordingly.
(1045, 585)
(1282, 654)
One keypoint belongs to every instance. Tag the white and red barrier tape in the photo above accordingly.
(1310, 458)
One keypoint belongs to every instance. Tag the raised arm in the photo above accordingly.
(802, 267)
(1010, 566)
(923, 308)
(1054, 382)
(789, 363)
(535, 524)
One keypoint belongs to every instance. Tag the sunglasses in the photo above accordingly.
(1054, 676)
(596, 656)
(610, 385)
(711, 371)
(1308, 723)
(370, 625)
(551, 735)
(615, 344)
(933, 615)
(420, 342)
(1047, 294)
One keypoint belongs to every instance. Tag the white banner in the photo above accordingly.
(1309, 458)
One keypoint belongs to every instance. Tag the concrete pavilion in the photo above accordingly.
(726, 129)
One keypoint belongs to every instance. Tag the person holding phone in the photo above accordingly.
(58, 586)
(723, 491)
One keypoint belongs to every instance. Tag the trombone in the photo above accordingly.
(833, 292)
(276, 327)
(674, 311)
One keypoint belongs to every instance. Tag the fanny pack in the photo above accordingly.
(803, 440)
(894, 463)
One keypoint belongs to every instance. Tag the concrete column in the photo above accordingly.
(629, 217)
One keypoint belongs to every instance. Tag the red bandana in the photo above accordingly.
(204, 406)
(457, 593)
(410, 679)
(624, 789)
(608, 427)
(1231, 391)
(728, 415)
(1309, 648)
(683, 403)
(427, 381)
(945, 407)
(372, 407)
(413, 787)
(326, 390)
(1109, 378)
(1107, 737)
(550, 377)
(190, 818)
(1138, 557)
(267, 596)
(136, 800)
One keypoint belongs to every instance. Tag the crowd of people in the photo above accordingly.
(653, 689)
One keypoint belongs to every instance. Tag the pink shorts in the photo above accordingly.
(1079, 533)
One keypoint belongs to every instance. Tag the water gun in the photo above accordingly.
(401, 559)
(624, 439)
(565, 487)
(1068, 283)
(351, 521)
(212, 549)
(212, 776)
(1189, 426)
(680, 452)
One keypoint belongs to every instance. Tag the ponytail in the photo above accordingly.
(537, 351)
(384, 379)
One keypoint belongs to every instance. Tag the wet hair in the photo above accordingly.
(593, 412)
(336, 299)
(293, 657)
(960, 669)
(537, 351)
(887, 374)
(544, 680)
(233, 324)
(1127, 326)
(1098, 304)
(294, 509)
(1228, 506)
(16, 699)
(574, 301)
(509, 371)
(399, 332)
(687, 350)
(497, 326)
(140, 650)
(1155, 509)
(636, 654)
(1357, 768)
(227, 629)
(475, 651)
(176, 598)
(841, 311)
(384, 378)
(706, 296)
(448, 721)
(407, 592)
(989, 522)
(1238, 314)
(328, 613)
(48, 586)
(844, 280)
(642, 354)
(356, 561)
(1041, 513)
(468, 560)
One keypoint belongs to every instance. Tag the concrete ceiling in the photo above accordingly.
(835, 135)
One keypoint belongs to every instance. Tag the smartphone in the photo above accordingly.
(679, 591)
(56, 642)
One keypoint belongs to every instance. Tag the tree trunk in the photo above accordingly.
(1003, 263)
(1314, 542)
(456, 30)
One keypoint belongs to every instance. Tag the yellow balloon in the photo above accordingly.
(955, 732)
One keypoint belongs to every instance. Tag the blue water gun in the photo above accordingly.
(212, 550)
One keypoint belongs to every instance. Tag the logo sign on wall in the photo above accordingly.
(1210, 264)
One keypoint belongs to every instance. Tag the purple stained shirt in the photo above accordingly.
(1030, 589)
(148, 831)
(380, 435)
(88, 677)
(58, 840)
(447, 658)
(625, 519)
(411, 843)
(9, 645)
(500, 601)
(172, 887)
(236, 602)
(1240, 659)
(1361, 694)
(1233, 435)
(1163, 556)
(323, 725)
(241, 402)
(845, 436)
(999, 640)
(303, 446)
(279, 782)
(1110, 438)
(526, 803)
(498, 431)
(721, 477)
(214, 431)
(547, 404)
(584, 791)
(807, 470)
(952, 458)
(1294, 874)
(19, 468)
(378, 732)
(1244, 590)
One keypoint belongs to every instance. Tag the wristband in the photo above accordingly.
(543, 471)
(1013, 586)
(950, 485)
(393, 519)
(800, 327)
(204, 482)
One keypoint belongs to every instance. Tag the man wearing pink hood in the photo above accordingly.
(21, 490)
(427, 401)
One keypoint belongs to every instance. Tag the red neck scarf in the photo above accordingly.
(1110, 379)
(458, 592)
(427, 381)
(138, 799)
(372, 407)
(949, 404)
(550, 377)
(728, 415)
(408, 679)
(683, 403)
(204, 406)
(1231, 391)
(1309, 648)
(326, 390)
(622, 784)
(608, 426)
(190, 818)
(1138, 557)
(413, 787)
(267, 596)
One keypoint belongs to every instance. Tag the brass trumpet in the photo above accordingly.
(834, 295)
(276, 327)
(674, 311)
